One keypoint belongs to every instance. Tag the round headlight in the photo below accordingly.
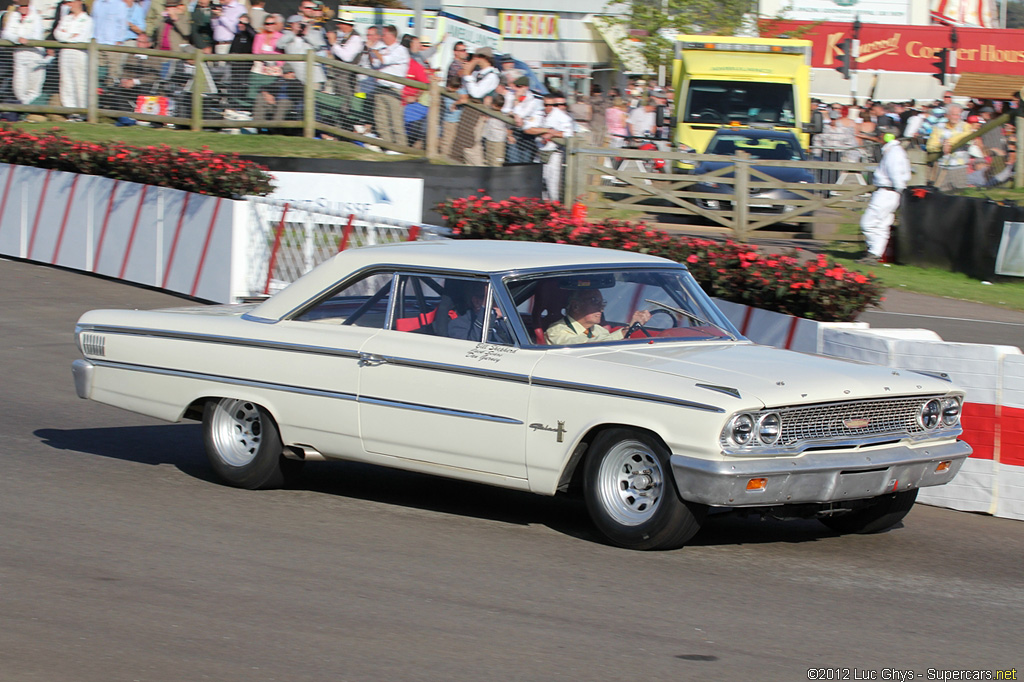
(742, 429)
(769, 428)
(950, 411)
(931, 412)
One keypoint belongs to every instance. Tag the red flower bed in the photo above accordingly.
(815, 289)
(203, 172)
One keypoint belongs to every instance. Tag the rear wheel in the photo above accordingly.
(880, 514)
(631, 496)
(244, 446)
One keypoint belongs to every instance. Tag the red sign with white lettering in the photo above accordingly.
(887, 47)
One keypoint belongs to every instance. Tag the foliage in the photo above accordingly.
(655, 17)
(201, 171)
(817, 289)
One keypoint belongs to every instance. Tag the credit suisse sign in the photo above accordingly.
(885, 47)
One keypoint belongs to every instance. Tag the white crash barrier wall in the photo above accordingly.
(149, 235)
(207, 247)
(992, 377)
(769, 328)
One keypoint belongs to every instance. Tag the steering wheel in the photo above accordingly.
(675, 321)
(636, 326)
(709, 114)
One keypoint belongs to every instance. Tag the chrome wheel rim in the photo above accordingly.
(630, 482)
(237, 431)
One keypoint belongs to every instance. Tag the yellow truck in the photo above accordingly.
(753, 82)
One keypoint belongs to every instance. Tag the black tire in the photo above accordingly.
(244, 446)
(632, 496)
(881, 514)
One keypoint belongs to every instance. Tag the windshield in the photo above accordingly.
(601, 306)
(710, 101)
(764, 148)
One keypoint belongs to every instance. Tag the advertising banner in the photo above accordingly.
(910, 48)
(523, 26)
(881, 11)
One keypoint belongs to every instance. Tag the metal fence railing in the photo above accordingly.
(289, 239)
(306, 94)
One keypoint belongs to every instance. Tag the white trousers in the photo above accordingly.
(552, 175)
(73, 78)
(878, 218)
(29, 74)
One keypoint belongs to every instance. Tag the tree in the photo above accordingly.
(668, 17)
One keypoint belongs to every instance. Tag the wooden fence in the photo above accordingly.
(610, 178)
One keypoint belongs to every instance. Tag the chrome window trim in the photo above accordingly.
(621, 393)
(229, 340)
(249, 317)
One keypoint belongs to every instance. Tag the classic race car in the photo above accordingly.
(540, 367)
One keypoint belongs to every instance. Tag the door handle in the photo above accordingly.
(371, 360)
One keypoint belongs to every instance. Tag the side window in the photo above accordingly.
(363, 303)
(452, 307)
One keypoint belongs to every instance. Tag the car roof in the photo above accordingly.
(469, 255)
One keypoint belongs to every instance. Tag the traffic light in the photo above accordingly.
(845, 57)
(941, 64)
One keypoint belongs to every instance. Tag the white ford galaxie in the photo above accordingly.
(540, 367)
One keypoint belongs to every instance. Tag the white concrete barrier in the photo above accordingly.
(160, 237)
(782, 331)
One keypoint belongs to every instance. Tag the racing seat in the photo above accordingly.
(548, 305)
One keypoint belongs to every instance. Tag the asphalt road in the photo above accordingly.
(122, 559)
(953, 320)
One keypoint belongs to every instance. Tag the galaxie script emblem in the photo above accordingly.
(537, 426)
(857, 423)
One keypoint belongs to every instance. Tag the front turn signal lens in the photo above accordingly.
(755, 485)
(943, 466)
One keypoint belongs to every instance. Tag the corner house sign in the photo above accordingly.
(910, 48)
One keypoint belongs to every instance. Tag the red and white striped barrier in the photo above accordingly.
(992, 377)
(782, 331)
(149, 235)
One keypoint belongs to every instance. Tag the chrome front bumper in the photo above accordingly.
(817, 476)
(82, 371)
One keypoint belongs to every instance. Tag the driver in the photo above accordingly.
(581, 322)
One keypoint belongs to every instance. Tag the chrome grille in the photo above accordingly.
(889, 416)
(94, 344)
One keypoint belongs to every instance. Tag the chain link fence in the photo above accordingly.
(290, 239)
(304, 95)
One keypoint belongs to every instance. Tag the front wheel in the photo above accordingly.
(631, 496)
(880, 514)
(244, 446)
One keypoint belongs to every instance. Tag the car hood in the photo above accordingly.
(784, 174)
(772, 376)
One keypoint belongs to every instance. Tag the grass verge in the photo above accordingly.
(222, 143)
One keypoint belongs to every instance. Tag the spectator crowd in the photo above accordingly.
(857, 135)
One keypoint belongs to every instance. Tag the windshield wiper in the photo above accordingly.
(686, 313)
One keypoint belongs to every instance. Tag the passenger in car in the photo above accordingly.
(469, 325)
(582, 320)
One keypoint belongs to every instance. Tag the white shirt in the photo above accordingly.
(74, 28)
(559, 120)
(29, 27)
(350, 47)
(894, 169)
(641, 122)
(526, 107)
(481, 83)
(393, 60)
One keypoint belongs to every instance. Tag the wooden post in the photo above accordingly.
(1018, 170)
(436, 101)
(740, 195)
(92, 76)
(198, 86)
(309, 98)
(570, 183)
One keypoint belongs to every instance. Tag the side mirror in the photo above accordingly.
(816, 124)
